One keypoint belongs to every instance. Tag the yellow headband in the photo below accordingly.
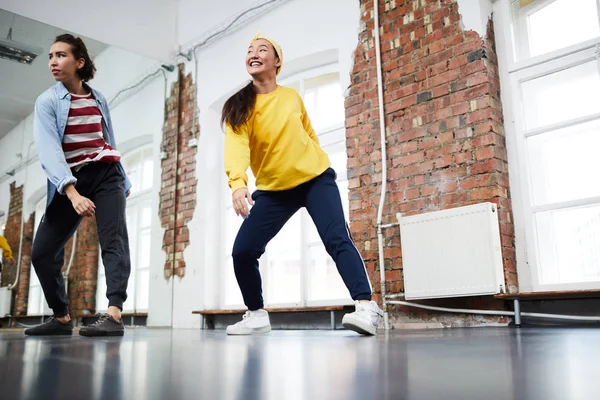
(275, 46)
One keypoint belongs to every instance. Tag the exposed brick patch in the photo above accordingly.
(445, 135)
(178, 191)
(84, 270)
(13, 235)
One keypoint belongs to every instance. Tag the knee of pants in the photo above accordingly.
(335, 241)
(38, 257)
(242, 252)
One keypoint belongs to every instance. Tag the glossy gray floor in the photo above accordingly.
(482, 364)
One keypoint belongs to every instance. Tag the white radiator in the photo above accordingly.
(452, 253)
(5, 300)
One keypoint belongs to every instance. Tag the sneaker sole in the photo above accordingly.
(256, 331)
(359, 327)
(100, 334)
(50, 334)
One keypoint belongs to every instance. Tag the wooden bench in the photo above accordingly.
(330, 309)
(556, 295)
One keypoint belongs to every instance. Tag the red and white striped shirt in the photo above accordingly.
(83, 141)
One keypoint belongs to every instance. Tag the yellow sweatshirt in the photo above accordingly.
(277, 142)
(6, 251)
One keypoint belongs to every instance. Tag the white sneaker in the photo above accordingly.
(252, 322)
(365, 319)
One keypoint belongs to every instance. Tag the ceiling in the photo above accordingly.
(20, 84)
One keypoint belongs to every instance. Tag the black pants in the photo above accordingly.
(102, 183)
(272, 210)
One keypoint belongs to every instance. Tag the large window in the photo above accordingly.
(36, 302)
(554, 79)
(139, 168)
(296, 269)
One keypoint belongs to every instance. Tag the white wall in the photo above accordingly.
(221, 71)
(196, 17)
(142, 26)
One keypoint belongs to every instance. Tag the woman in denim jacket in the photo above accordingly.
(76, 147)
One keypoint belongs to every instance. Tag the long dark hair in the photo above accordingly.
(238, 107)
(87, 72)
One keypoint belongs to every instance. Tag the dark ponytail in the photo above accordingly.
(237, 108)
(79, 50)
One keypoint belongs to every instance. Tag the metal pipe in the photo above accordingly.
(496, 312)
(382, 131)
(517, 308)
(395, 296)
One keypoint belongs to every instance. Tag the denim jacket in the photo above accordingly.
(49, 123)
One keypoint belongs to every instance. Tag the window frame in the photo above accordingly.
(503, 17)
(512, 74)
(305, 220)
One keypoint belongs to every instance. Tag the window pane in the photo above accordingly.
(324, 101)
(564, 95)
(563, 164)
(144, 250)
(284, 263)
(146, 221)
(569, 245)
(543, 26)
(142, 289)
(148, 174)
(233, 295)
(325, 282)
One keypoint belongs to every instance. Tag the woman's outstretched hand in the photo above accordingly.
(241, 198)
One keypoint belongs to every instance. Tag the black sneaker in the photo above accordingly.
(105, 326)
(52, 326)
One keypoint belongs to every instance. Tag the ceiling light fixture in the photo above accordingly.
(16, 51)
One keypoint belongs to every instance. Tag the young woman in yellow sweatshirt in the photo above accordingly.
(267, 129)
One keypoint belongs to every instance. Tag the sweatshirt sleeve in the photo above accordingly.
(5, 249)
(237, 157)
(307, 125)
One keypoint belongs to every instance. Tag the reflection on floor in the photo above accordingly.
(461, 364)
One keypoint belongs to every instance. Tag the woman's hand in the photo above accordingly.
(82, 205)
(240, 199)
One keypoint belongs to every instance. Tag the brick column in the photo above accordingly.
(178, 191)
(445, 136)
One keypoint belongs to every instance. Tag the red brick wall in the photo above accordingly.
(84, 270)
(445, 136)
(12, 233)
(178, 191)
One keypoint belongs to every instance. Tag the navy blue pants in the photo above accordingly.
(272, 210)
